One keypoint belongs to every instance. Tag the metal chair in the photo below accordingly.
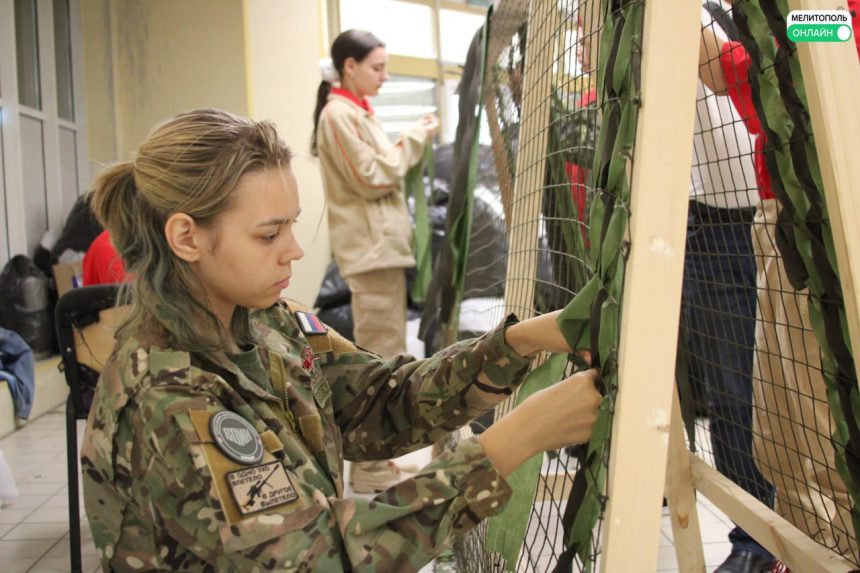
(85, 319)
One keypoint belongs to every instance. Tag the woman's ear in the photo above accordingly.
(349, 66)
(184, 237)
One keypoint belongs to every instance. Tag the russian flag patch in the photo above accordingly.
(310, 324)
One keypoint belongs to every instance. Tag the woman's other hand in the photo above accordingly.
(558, 416)
(430, 123)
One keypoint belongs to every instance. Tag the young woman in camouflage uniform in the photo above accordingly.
(218, 431)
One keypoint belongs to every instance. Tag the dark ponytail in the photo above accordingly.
(356, 44)
(322, 99)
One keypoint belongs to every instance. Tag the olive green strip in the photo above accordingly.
(461, 231)
(507, 530)
(592, 318)
(421, 235)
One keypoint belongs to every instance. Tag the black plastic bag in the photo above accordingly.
(333, 291)
(25, 306)
(339, 318)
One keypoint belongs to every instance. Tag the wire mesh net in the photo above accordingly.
(535, 263)
(749, 366)
(749, 362)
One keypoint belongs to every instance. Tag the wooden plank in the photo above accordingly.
(831, 76)
(681, 496)
(531, 158)
(652, 290)
(777, 535)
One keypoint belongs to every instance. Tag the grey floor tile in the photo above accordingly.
(18, 565)
(25, 531)
(61, 565)
(25, 549)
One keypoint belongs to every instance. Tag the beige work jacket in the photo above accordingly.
(363, 176)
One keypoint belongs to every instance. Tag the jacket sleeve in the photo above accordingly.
(387, 408)
(370, 172)
(735, 62)
(182, 478)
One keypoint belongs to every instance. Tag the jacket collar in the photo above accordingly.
(363, 103)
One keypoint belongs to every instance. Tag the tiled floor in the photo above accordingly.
(34, 529)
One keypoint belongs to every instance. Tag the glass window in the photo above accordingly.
(63, 53)
(4, 238)
(27, 46)
(402, 101)
(406, 29)
(457, 30)
(68, 168)
(33, 176)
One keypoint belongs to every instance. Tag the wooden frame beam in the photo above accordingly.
(681, 496)
(649, 320)
(786, 542)
(531, 159)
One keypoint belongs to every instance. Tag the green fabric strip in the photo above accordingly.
(506, 531)
(592, 319)
(414, 187)
(461, 231)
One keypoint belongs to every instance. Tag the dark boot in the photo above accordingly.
(743, 561)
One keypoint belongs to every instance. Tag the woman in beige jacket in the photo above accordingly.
(370, 227)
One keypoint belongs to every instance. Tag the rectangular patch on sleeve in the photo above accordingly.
(261, 487)
(309, 323)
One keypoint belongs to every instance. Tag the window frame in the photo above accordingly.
(16, 238)
(425, 68)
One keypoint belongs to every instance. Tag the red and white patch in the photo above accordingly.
(308, 358)
(309, 323)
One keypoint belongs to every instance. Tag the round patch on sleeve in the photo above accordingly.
(237, 438)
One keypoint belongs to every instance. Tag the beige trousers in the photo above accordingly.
(379, 310)
(791, 419)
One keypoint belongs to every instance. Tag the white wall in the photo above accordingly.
(173, 56)
(284, 39)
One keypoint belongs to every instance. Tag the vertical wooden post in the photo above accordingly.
(538, 87)
(681, 496)
(652, 289)
(831, 76)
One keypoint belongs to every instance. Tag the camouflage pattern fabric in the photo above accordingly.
(160, 493)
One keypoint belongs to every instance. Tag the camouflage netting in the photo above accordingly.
(762, 316)
(561, 159)
(799, 361)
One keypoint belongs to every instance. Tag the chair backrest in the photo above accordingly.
(86, 319)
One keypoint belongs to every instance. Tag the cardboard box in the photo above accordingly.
(68, 276)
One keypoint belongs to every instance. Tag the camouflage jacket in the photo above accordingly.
(162, 493)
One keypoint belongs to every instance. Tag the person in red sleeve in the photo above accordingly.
(102, 264)
(718, 303)
(791, 413)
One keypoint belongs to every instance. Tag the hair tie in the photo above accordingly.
(328, 71)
